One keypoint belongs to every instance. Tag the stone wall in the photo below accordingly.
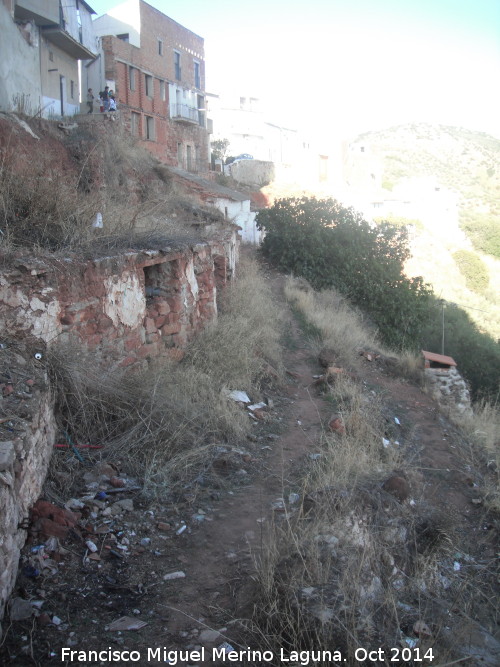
(450, 389)
(127, 308)
(26, 440)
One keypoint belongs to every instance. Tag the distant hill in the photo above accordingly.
(460, 160)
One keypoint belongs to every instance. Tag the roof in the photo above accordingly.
(439, 358)
(210, 187)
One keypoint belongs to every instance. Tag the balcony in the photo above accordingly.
(183, 113)
(61, 38)
(41, 12)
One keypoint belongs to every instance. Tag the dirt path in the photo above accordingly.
(225, 529)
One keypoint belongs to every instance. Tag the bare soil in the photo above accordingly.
(226, 522)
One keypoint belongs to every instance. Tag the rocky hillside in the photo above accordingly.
(462, 160)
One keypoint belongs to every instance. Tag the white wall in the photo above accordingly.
(239, 212)
(119, 20)
(19, 64)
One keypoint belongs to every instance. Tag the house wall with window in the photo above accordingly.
(42, 42)
(157, 69)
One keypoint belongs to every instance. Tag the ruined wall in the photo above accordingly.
(126, 309)
(26, 441)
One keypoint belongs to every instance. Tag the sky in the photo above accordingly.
(343, 67)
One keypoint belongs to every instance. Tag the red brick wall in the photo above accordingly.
(125, 309)
(120, 56)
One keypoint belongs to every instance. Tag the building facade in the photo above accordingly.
(156, 68)
(42, 44)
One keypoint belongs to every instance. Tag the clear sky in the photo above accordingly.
(349, 66)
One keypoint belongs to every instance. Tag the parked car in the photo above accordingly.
(243, 156)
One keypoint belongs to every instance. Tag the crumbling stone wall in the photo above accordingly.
(127, 308)
(124, 309)
(26, 441)
(450, 389)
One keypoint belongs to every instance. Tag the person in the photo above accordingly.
(104, 95)
(90, 101)
(112, 102)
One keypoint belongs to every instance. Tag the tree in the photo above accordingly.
(220, 149)
(333, 246)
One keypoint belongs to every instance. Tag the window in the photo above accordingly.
(179, 154)
(160, 47)
(134, 123)
(177, 65)
(149, 85)
(124, 36)
(150, 128)
(51, 56)
(131, 78)
(162, 91)
(197, 78)
(72, 88)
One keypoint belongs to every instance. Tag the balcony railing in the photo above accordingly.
(187, 114)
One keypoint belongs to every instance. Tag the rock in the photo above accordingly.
(20, 609)
(336, 425)
(209, 636)
(327, 357)
(127, 505)
(117, 482)
(421, 629)
(397, 487)
(163, 526)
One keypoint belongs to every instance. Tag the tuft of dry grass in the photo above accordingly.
(169, 422)
(337, 324)
(482, 431)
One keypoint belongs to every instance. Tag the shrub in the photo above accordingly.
(331, 245)
(473, 269)
(483, 230)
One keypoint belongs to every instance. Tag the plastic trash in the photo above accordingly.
(239, 396)
(396, 420)
(174, 575)
(91, 546)
(180, 530)
(227, 648)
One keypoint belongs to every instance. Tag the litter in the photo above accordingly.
(180, 530)
(227, 648)
(314, 457)
(386, 442)
(396, 420)
(293, 498)
(456, 566)
(126, 623)
(239, 396)
(174, 575)
(91, 546)
(257, 406)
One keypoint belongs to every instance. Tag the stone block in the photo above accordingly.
(7, 454)
(149, 325)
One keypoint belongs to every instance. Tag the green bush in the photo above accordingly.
(331, 245)
(483, 230)
(400, 221)
(473, 269)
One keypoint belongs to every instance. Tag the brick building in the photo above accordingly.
(157, 69)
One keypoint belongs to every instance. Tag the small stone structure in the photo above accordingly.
(447, 385)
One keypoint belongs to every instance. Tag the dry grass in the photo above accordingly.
(354, 567)
(482, 431)
(51, 203)
(337, 324)
(168, 423)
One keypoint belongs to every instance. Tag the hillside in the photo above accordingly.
(468, 162)
(452, 176)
